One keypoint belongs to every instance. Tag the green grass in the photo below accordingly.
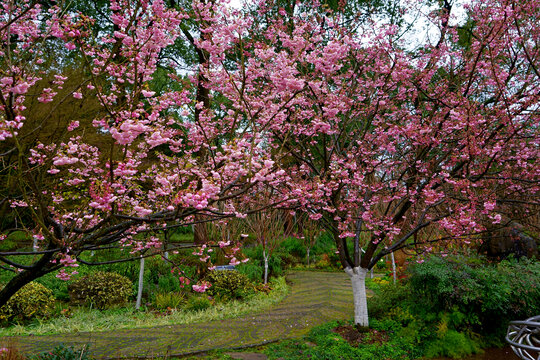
(304, 267)
(182, 237)
(90, 320)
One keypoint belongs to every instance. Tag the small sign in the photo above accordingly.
(225, 267)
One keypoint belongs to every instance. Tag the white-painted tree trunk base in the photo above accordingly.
(358, 282)
(393, 267)
(265, 267)
(140, 290)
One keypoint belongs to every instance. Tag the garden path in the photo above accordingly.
(314, 298)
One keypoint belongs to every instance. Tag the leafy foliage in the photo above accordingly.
(32, 301)
(294, 247)
(488, 295)
(63, 352)
(452, 344)
(255, 255)
(101, 289)
(229, 285)
(455, 306)
(253, 271)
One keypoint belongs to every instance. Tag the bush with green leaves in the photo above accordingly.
(275, 263)
(452, 344)
(62, 352)
(253, 271)
(454, 306)
(294, 249)
(32, 301)
(100, 290)
(228, 285)
(489, 295)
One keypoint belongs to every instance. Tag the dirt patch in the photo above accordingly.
(355, 337)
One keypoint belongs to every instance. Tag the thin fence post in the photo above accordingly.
(141, 279)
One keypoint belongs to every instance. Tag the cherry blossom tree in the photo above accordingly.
(164, 157)
(389, 142)
(445, 136)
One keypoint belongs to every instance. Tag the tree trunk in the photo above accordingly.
(19, 280)
(39, 268)
(307, 257)
(358, 281)
(200, 232)
(265, 256)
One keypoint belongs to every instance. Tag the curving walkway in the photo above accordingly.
(314, 298)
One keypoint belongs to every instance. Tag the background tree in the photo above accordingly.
(267, 226)
(310, 231)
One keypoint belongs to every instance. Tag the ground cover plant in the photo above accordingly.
(336, 341)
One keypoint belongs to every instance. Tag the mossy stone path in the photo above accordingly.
(314, 298)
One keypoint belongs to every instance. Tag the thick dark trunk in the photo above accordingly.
(21, 279)
(39, 268)
(200, 232)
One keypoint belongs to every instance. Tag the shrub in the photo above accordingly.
(255, 254)
(253, 271)
(164, 300)
(293, 246)
(324, 244)
(8, 244)
(286, 260)
(198, 303)
(63, 352)
(58, 287)
(229, 285)
(264, 288)
(323, 264)
(129, 269)
(158, 272)
(100, 289)
(488, 296)
(452, 344)
(32, 301)
(168, 283)
(327, 262)
(453, 306)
